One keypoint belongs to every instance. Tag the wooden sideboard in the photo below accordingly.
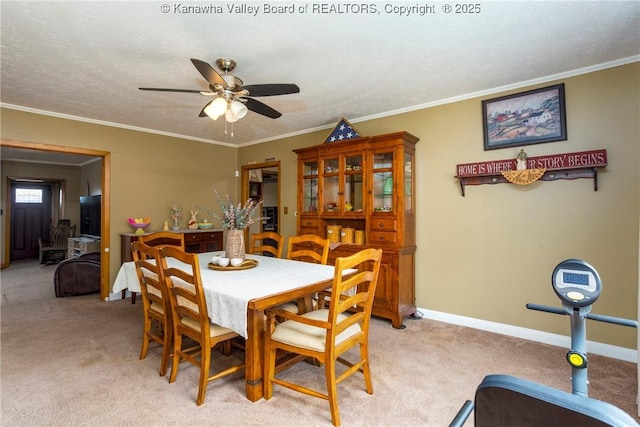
(195, 241)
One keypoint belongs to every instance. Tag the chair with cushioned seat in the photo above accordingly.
(327, 334)
(190, 319)
(155, 302)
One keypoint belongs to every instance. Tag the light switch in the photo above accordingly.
(286, 210)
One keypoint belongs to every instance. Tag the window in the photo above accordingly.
(28, 195)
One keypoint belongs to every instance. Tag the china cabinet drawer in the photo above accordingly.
(383, 237)
(389, 224)
(309, 223)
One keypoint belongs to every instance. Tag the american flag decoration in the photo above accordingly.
(342, 132)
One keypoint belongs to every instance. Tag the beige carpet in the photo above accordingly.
(74, 361)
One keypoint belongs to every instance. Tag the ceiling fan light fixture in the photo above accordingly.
(238, 109)
(230, 116)
(216, 108)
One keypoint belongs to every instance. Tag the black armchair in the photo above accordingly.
(78, 276)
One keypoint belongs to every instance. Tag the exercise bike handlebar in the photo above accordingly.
(614, 320)
(546, 308)
(598, 317)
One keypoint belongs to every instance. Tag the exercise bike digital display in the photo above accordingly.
(576, 283)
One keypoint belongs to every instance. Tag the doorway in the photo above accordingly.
(261, 181)
(105, 209)
(30, 219)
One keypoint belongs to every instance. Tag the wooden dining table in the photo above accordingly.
(237, 299)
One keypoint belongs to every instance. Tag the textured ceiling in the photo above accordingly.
(87, 59)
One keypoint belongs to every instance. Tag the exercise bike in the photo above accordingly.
(503, 400)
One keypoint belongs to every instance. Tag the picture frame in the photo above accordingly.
(532, 117)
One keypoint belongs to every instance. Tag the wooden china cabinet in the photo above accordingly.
(365, 185)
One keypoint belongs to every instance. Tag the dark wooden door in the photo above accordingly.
(29, 220)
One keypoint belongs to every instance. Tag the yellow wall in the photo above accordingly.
(487, 254)
(148, 171)
(484, 255)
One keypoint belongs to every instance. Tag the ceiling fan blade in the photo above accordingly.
(261, 108)
(159, 89)
(209, 73)
(272, 89)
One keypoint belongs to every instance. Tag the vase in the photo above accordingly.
(388, 186)
(235, 244)
(175, 225)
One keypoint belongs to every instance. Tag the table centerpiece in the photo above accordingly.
(235, 218)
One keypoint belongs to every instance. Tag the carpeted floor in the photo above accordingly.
(74, 361)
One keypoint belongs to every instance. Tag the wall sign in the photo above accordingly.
(582, 164)
(595, 158)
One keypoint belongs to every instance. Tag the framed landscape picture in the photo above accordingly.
(526, 118)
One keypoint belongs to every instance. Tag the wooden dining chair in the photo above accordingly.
(327, 333)
(155, 302)
(308, 248)
(260, 243)
(159, 238)
(190, 319)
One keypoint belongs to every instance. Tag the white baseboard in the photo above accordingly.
(621, 353)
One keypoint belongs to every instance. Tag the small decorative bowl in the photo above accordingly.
(205, 225)
(139, 226)
(223, 262)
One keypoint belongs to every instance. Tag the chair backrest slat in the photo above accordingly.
(149, 275)
(163, 238)
(355, 291)
(259, 243)
(185, 287)
(309, 248)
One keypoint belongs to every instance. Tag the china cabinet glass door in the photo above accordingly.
(342, 185)
(383, 185)
(408, 182)
(353, 189)
(310, 187)
(330, 185)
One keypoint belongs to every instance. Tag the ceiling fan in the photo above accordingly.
(231, 97)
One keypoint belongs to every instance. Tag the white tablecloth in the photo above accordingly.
(228, 292)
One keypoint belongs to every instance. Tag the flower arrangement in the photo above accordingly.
(237, 216)
(176, 211)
